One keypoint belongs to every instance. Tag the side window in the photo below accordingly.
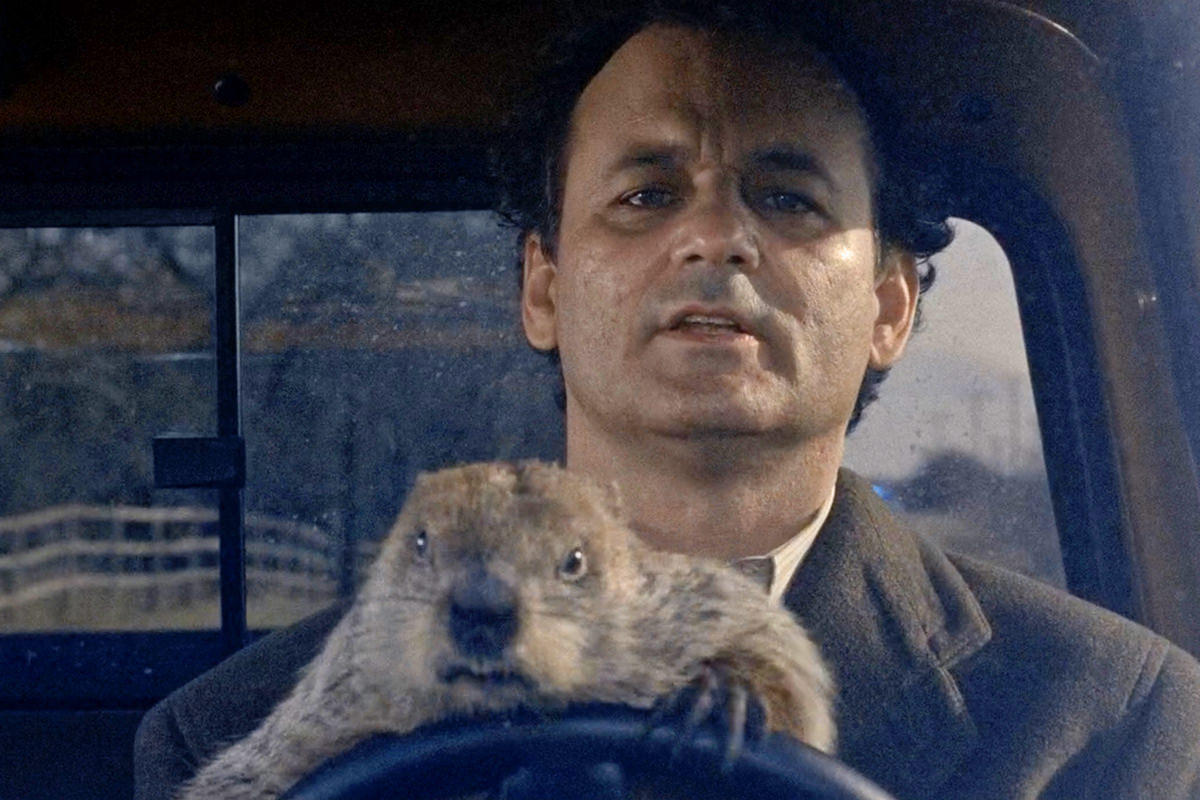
(375, 346)
(105, 342)
(953, 442)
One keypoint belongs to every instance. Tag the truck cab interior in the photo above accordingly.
(250, 285)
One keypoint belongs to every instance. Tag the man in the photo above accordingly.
(710, 250)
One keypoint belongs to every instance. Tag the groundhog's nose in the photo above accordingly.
(483, 615)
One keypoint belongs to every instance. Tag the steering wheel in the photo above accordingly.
(587, 752)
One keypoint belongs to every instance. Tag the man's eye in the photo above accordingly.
(650, 197)
(786, 202)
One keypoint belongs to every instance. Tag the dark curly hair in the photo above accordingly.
(910, 207)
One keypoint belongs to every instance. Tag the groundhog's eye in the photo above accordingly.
(574, 565)
(420, 543)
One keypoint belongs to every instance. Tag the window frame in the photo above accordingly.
(1057, 324)
(212, 182)
(204, 186)
(1062, 361)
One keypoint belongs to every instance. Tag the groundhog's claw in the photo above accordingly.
(717, 699)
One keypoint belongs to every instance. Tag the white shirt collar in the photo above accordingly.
(786, 558)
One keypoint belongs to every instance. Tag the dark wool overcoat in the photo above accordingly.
(956, 679)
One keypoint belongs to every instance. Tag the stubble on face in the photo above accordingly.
(714, 126)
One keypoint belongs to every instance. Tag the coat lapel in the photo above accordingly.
(892, 616)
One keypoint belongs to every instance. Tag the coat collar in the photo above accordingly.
(892, 616)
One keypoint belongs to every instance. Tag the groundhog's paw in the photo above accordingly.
(718, 701)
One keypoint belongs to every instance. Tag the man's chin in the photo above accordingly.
(709, 413)
(714, 423)
(715, 417)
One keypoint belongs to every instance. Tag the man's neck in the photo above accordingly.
(723, 497)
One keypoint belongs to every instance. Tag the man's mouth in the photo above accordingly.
(710, 324)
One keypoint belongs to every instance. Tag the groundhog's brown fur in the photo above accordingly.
(624, 624)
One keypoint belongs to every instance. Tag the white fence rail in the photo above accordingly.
(91, 567)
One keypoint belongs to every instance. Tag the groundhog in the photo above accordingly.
(521, 585)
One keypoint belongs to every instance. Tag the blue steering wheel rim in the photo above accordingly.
(457, 757)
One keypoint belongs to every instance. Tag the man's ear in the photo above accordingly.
(538, 293)
(896, 289)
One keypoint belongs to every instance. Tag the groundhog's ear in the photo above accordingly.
(529, 476)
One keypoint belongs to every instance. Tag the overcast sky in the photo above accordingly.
(964, 382)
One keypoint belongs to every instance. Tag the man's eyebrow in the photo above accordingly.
(667, 157)
(658, 156)
(792, 159)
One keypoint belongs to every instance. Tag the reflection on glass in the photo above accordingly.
(953, 443)
(375, 346)
(104, 343)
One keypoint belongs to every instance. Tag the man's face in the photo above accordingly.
(715, 269)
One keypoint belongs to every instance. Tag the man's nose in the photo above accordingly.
(716, 230)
